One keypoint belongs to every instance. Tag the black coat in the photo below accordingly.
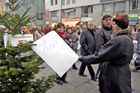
(87, 42)
(102, 38)
(118, 52)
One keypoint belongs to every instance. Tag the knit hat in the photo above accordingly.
(106, 16)
(121, 20)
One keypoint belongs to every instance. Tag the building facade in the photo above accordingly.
(1, 6)
(88, 10)
(37, 8)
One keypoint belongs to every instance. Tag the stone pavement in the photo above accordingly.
(78, 84)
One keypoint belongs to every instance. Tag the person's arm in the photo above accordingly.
(108, 51)
(83, 41)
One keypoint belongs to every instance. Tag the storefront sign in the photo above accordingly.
(70, 21)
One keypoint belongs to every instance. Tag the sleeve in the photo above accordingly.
(83, 41)
(99, 40)
(107, 52)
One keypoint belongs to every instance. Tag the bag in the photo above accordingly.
(137, 62)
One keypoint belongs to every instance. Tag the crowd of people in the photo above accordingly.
(110, 46)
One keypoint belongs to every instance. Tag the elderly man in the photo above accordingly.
(117, 53)
(88, 44)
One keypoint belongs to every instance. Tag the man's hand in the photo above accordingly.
(80, 59)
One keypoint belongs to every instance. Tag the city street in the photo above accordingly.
(78, 84)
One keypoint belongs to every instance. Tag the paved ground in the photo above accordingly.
(78, 84)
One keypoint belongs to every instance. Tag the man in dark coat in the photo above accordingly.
(118, 53)
(87, 42)
(103, 36)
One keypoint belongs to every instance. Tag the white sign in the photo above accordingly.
(19, 38)
(55, 52)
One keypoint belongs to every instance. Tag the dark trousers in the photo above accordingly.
(63, 78)
(98, 70)
(90, 69)
(74, 66)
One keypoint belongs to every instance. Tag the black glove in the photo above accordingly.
(80, 59)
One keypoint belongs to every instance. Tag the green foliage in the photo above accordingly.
(14, 21)
(19, 65)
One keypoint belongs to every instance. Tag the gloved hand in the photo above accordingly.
(80, 59)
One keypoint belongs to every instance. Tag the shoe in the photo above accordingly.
(94, 79)
(65, 81)
(59, 82)
(75, 68)
(82, 75)
(134, 70)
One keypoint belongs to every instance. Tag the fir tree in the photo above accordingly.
(18, 65)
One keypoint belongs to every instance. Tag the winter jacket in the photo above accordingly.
(102, 38)
(118, 53)
(87, 42)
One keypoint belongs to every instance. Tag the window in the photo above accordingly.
(69, 13)
(120, 6)
(55, 2)
(107, 8)
(51, 2)
(135, 4)
(73, 1)
(68, 2)
(87, 11)
(54, 14)
(39, 16)
(63, 2)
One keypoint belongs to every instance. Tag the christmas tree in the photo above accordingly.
(18, 65)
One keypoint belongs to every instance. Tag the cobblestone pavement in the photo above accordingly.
(78, 84)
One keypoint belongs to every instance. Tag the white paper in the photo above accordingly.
(55, 52)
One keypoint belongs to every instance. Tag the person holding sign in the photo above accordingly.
(60, 30)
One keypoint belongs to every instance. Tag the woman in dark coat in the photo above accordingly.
(115, 76)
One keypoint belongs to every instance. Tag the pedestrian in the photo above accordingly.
(88, 44)
(71, 40)
(137, 61)
(60, 30)
(117, 53)
(47, 28)
(39, 32)
(103, 36)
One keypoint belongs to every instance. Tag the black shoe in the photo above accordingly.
(94, 79)
(75, 68)
(82, 75)
(65, 81)
(59, 82)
